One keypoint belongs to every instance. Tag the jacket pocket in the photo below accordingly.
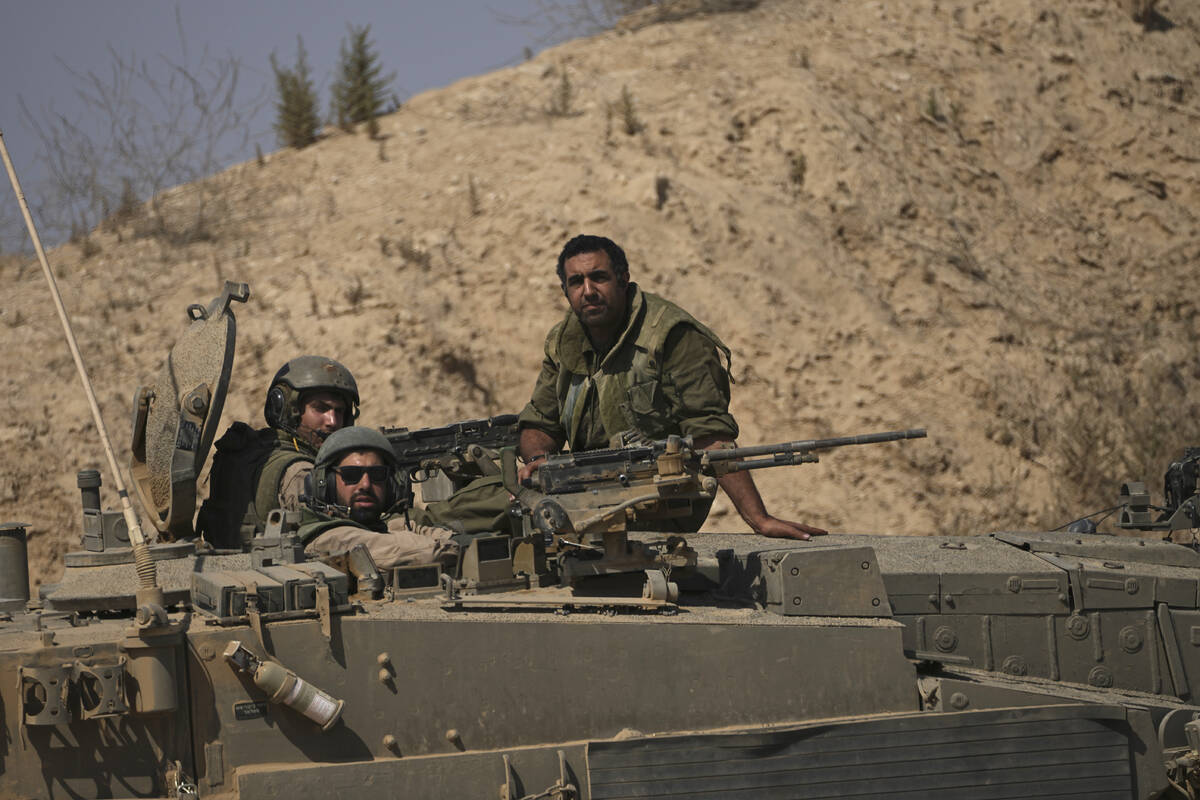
(647, 407)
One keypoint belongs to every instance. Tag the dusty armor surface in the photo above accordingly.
(575, 656)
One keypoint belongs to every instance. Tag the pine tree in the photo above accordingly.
(296, 121)
(359, 92)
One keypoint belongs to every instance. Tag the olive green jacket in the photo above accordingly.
(662, 376)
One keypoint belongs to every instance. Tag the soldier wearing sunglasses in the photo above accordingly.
(354, 495)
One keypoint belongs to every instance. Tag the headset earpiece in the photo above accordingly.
(274, 407)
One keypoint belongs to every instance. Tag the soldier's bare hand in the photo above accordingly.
(525, 471)
(776, 528)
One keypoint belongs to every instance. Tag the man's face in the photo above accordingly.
(596, 294)
(321, 413)
(364, 496)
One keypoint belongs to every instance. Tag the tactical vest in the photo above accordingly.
(629, 379)
(244, 482)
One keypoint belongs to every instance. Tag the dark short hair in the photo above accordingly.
(593, 244)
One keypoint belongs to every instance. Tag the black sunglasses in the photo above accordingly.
(351, 476)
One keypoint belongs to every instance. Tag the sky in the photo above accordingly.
(426, 44)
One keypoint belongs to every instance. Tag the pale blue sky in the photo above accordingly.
(427, 44)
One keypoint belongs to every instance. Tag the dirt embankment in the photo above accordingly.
(982, 219)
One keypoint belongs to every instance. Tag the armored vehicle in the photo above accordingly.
(579, 656)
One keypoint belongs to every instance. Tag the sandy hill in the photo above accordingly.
(981, 218)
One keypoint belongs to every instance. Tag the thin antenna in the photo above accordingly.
(146, 571)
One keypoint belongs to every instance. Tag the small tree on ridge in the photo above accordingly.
(358, 93)
(296, 120)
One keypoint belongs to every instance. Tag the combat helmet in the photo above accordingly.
(321, 484)
(307, 374)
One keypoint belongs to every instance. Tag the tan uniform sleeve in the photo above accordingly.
(696, 385)
(397, 547)
(291, 487)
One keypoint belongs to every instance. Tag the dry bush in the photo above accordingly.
(562, 97)
(146, 126)
(631, 123)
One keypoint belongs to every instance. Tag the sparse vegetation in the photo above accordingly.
(797, 170)
(932, 110)
(562, 97)
(406, 249)
(297, 122)
(631, 123)
(82, 239)
(356, 293)
(662, 188)
(359, 91)
(1112, 421)
(473, 197)
(154, 124)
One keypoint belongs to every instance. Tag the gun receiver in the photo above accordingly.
(659, 480)
(460, 451)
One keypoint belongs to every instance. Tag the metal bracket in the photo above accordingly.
(562, 789)
(43, 693)
(324, 611)
(101, 689)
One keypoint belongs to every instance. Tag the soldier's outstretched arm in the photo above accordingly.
(749, 503)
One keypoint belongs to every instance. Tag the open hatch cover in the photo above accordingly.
(176, 414)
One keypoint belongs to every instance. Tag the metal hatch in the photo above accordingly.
(176, 414)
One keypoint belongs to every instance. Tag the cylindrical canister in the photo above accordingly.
(14, 566)
(285, 687)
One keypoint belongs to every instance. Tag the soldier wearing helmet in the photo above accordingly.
(311, 397)
(255, 471)
(356, 496)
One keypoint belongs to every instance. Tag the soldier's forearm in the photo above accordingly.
(746, 499)
(534, 443)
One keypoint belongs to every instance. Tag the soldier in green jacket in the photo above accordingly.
(624, 362)
(255, 471)
(622, 365)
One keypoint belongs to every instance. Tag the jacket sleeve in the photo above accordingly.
(696, 385)
(542, 411)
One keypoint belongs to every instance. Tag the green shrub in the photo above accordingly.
(359, 92)
(296, 122)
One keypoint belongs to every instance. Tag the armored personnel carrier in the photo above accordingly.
(580, 657)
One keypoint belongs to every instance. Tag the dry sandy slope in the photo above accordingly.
(995, 236)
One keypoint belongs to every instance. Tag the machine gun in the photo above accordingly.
(601, 488)
(583, 504)
(446, 458)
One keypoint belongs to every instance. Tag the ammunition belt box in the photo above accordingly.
(275, 589)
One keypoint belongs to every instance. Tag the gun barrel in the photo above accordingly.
(810, 445)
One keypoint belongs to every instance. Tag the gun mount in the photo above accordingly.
(1014, 664)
